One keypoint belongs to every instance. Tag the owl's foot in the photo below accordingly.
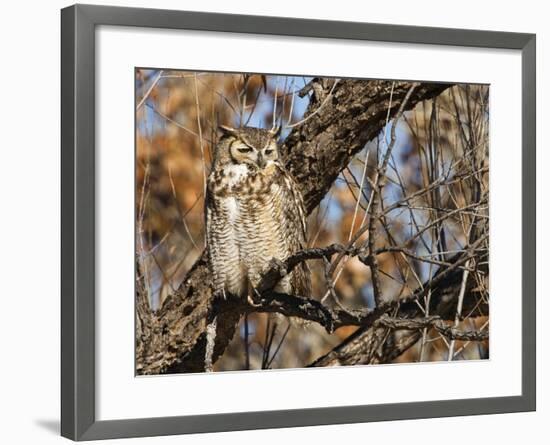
(220, 295)
(253, 298)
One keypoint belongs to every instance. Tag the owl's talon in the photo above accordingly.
(251, 301)
(220, 295)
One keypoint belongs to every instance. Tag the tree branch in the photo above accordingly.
(362, 346)
(433, 321)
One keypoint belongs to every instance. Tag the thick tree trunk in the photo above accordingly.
(338, 127)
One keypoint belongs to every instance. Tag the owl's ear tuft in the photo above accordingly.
(276, 131)
(227, 131)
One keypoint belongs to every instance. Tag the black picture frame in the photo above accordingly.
(78, 23)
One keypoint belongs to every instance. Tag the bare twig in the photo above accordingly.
(459, 307)
(199, 126)
(148, 92)
(451, 333)
(377, 198)
(309, 116)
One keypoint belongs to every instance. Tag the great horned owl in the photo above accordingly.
(254, 212)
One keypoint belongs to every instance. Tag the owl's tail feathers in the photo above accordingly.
(301, 280)
(301, 287)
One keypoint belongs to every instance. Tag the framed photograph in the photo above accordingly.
(274, 222)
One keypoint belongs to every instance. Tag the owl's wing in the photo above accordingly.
(210, 215)
(295, 230)
(222, 246)
(215, 216)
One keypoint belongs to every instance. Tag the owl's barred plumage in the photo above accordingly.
(254, 212)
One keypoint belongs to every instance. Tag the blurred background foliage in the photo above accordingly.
(177, 116)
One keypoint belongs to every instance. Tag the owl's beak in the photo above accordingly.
(260, 161)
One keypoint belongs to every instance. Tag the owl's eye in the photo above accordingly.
(244, 149)
(268, 152)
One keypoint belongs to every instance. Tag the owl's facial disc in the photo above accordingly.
(243, 153)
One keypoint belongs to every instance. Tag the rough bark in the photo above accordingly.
(173, 338)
